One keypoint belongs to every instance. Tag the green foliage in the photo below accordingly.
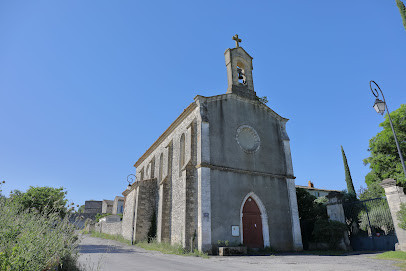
(310, 210)
(81, 209)
(31, 240)
(1, 183)
(402, 216)
(170, 249)
(384, 160)
(379, 216)
(263, 99)
(402, 10)
(321, 200)
(328, 231)
(116, 237)
(222, 243)
(373, 191)
(392, 255)
(45, 200)
(153, 228)
(348, 179)
(308, 207)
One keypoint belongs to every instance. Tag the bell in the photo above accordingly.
(240, 77)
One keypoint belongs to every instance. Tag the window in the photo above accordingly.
(182, 153)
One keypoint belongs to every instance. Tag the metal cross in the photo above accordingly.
(237, 40)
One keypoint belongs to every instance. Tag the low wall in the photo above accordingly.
(113, 228)
(79, 220)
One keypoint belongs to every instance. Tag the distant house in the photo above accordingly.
(93, 206)
(317, 192)
(107, 206)
(118, 205)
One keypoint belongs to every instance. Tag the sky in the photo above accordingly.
(87, 86)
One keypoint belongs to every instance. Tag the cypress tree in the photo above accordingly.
(348, 179)
(402, 10)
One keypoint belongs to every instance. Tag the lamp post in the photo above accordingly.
(379, 107)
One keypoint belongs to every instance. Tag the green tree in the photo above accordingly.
(402, 10)
(81, 209)
(308, 207)
(43, 199)
(309, 212)
(348, 179)
(384, 160)
(373, 191)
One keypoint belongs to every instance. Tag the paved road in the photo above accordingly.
(108, 255)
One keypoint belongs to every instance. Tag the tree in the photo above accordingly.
(308, 207)
(384, 160)
(348, 179)
(402, 10)
(81, 209)
(310, 211)
(43, 199)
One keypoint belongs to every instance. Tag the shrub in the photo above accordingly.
(31, 240)
(379, 217)
(402, 216)
(328, 231)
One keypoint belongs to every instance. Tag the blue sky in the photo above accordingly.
(87, 86)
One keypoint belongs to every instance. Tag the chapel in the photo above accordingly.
(222, 171)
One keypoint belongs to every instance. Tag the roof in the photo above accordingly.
(316, 189)
(171, 127)
(108, 201)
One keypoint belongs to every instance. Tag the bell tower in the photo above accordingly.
(239, 71)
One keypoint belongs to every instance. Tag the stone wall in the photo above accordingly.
(145, 208)
(163, 163)
(128, 215)
(112, 228)
(107, 206)
(93, 207)
(395, 196)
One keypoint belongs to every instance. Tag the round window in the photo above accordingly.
(247, 138)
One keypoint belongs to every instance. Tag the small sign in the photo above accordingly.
(235, 230)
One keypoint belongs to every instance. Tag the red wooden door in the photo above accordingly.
(252, 225)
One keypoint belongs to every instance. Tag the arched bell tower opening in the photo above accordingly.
(254, 222)
(239, 71)
(242, 79)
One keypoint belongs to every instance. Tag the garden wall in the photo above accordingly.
(113, 228)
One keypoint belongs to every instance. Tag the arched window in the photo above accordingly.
(241, 73)
(142, 174)
(182, 153)
(161, 166)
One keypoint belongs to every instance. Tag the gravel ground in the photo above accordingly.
(101, 254)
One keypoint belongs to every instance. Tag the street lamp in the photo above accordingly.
(131, 179)
(379, 107)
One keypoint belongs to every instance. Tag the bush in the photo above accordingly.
(310, 210)
(328, 231)
(402, 216)
(31, 240)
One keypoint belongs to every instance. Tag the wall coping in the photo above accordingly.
(388, 183)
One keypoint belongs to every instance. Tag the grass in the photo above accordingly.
(399, 256)
(170, 249)
(118, 238)
(392, 255)
(154, 245)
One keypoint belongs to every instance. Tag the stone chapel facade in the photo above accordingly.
(221, 171)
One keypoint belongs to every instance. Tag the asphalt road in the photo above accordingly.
(107, 255)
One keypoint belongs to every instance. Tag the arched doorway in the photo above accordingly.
(252, 224)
